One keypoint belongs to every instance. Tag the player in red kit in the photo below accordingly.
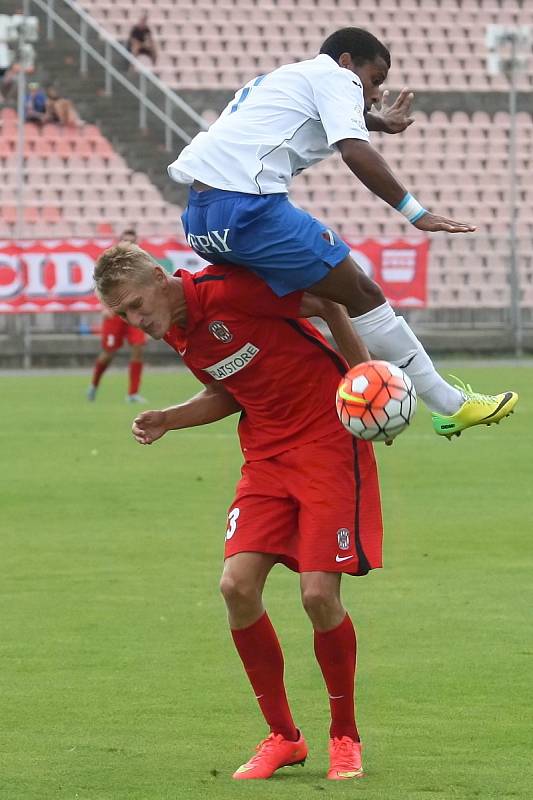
(114, 332)
(308, 495)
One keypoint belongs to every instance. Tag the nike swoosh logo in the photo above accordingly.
(338, 559)
(259, 696)
(409, 361)
(505, 400)
(335, 696)
(182, 352)
(351, 397)
(355, 774)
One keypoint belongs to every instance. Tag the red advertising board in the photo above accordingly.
(56, 275)
(399, 266)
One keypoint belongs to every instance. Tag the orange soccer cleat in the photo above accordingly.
(344, 759)
(272, 753)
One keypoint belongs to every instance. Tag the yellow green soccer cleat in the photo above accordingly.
(477, 409)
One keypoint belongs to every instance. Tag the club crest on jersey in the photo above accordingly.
(343, 538)
(221, 331)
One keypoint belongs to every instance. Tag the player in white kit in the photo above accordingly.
(240, 171)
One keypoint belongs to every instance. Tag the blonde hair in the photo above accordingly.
(124, 263)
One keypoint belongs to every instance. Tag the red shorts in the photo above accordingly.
(114, 329)
(317, 507)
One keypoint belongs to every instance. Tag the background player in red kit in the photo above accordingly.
(308, 494)
(114, 331)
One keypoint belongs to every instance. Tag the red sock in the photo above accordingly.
(335, 652)
(99, 369)
(261, 654)
(136, 368)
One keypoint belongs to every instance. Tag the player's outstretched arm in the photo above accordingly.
(209, 405)
(372, 170)
(337, 319)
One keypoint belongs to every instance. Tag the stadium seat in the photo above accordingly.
(79, 182)
(456, 164)
(431, 43)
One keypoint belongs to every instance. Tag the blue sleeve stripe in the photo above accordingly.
(245, 92)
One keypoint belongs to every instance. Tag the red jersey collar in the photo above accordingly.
(194, 309)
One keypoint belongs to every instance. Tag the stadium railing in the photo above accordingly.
(153, 95)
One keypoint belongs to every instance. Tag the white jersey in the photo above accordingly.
(276, 126)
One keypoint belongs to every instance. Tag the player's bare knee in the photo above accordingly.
(318, 600)
(367, 296)
(348, 284)
(321, 599)
(237, 590)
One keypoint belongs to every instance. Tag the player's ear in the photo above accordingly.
(346, 61)
(160, 275)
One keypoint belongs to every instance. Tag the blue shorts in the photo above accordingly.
(287, 247)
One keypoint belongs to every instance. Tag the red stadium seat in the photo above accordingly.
(8, 114)
(43, 147)
(31, 215)
(6, 148)
(454, 163)
(51, 215)
(8, 215)
(62, 147)
(104, 229)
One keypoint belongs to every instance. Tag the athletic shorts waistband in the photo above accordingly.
(211, 195)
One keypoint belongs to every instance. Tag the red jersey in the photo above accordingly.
(278, 367)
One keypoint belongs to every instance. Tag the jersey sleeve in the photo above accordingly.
(341, 106)
(200, 374)
(249, 294)
(239, 97)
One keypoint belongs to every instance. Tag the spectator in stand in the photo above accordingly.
(114, 331)
(35, 106)
(140, 40)
(61, 110)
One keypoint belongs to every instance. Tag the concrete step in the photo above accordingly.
(117, 115)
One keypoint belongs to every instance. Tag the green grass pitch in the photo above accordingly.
(119, 680)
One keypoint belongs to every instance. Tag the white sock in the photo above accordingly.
(390, 338)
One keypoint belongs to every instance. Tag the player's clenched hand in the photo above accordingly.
(149, 426)
(433, 222)
(396, 117)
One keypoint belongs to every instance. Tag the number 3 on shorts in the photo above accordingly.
(233, 516)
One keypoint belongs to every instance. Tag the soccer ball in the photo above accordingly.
(376, 401)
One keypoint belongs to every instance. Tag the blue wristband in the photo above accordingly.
(411, 208)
